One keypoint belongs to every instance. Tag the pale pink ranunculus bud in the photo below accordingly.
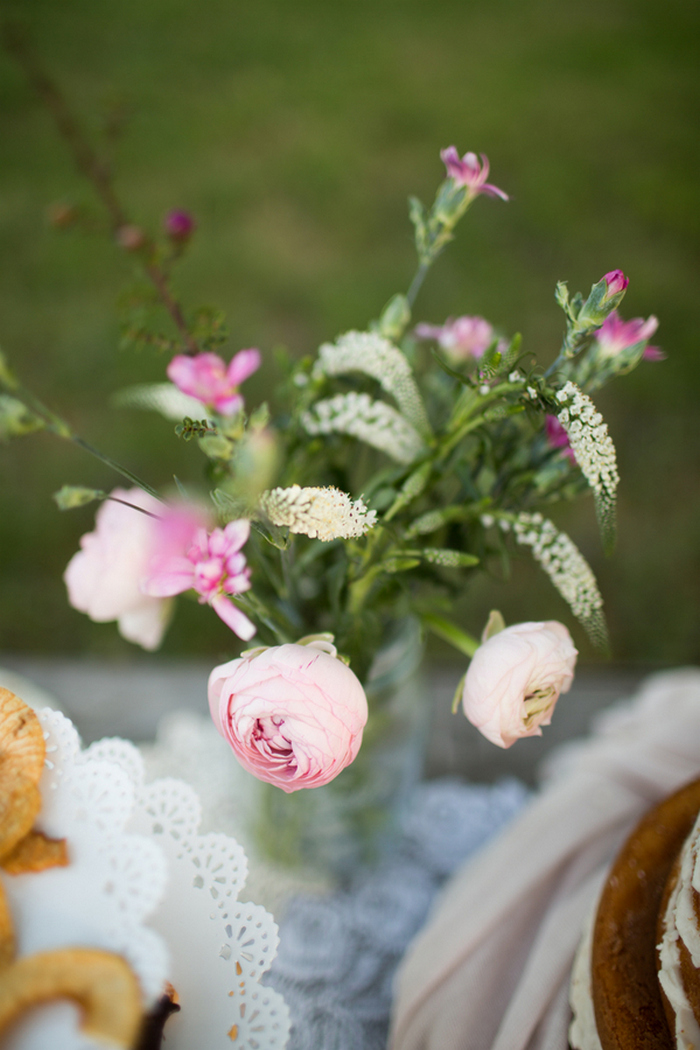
(103, 578)
(210, 380)
(515, 678)
(293, 714)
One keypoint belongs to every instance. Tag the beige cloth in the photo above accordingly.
(490, 970)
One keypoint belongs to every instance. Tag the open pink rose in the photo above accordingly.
(515, 678)
(293, 714)
(103, 577)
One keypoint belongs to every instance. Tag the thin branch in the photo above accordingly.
(96, 171)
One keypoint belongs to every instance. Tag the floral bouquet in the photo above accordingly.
(337, 522)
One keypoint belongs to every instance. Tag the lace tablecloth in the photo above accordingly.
(338, 953)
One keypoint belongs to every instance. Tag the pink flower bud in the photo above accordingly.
(515, 678)
(130, 238)
(616, 282)
(293, 714)
(179, 225)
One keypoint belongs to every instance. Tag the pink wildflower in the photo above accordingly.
(215, 567)
(462, 338)
(207, 378)
(616, 282)
(179, 225)
(470, 172)
(616, 335)
(557, 437)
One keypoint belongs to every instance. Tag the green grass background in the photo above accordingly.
(295, 130)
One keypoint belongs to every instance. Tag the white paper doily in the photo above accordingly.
(143, 882)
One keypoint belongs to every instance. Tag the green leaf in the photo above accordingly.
(260, 417)
(216, 446)
(512, 354)
(229, 507)
(457, 698)
(463, 379)
(412, 487)
(448, 631)
(399, 564)
(7, 376)
(494, 625)
(71, 496)
(433, 520)
(16, 419)
(395, 317)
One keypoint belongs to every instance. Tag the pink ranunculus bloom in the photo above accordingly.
(616, 282)
(616, 335)
(214, 567)
(104, 577)
(557, 437)
(462, 338)
(515, 678)
(471, 172)
(207, 378)
(293, 714)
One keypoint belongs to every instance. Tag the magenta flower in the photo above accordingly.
(462, 338)
(470, 172)
(206, 378)
(616, 282)
(557, 437)
(214, 567)
(616, 335)
(179, 225)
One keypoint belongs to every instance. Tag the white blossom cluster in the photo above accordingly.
(320, 513)
(374, 356)
(566, 567)
(589, 440)
(374, 422)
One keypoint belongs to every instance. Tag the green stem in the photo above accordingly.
(60, 428)
(417, 282)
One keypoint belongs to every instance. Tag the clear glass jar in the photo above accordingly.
(352, 820)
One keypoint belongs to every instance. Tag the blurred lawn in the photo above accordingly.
(294, 132)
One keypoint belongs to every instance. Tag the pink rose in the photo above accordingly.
(293, 714)
(103, 578)
(515, 678)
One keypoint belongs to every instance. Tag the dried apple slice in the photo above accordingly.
(22, 746)
(35, 852)
(7, 932)
(20, 802)
(101, 983)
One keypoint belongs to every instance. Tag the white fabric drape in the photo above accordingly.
(490, 970)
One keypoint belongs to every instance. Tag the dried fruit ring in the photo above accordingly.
(22, 746)
(101, 983)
